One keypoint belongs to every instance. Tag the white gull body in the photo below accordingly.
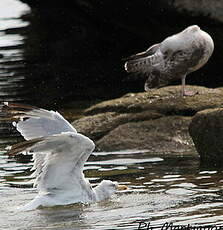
(59, 154)
(172, 59)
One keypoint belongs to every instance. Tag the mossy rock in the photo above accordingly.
(166, 100)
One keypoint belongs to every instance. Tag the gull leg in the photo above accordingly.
(183, 90)
(183, 85)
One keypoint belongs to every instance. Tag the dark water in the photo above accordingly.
(11, 53)
(160, 190)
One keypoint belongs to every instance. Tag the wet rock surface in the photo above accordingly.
(213, 10)
(157, 120)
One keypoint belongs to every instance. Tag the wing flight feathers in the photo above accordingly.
(33, 122)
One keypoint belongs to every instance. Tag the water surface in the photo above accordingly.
(160, 190)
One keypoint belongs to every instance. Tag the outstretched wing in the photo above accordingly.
(33, 122)
(58, 160)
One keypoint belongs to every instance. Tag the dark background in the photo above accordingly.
(74, 49)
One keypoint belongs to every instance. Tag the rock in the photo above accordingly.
(166, 135)
(204, 8)
(166, 100)
(98, 125)
(206, 130)
(194, 8)
(157, 120)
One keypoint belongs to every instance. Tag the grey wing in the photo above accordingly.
(144, 62)
(33, 122)
(172, 66)
(175, 65)
(58, 159)
(150, 51)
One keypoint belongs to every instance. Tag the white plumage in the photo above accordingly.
(59, 154)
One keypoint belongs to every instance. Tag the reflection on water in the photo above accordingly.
(12, 64)
(11, 50)
(160, 190)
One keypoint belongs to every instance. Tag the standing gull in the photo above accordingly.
(172, 59)
(59, 154)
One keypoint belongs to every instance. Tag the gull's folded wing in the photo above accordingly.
(33, 122)
(143, 62)
(150, 51)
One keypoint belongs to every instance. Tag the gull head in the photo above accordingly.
(106, 188)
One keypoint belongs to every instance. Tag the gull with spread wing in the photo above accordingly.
(172, 59)
(59, 154)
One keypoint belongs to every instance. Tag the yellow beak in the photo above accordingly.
(121, 187)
